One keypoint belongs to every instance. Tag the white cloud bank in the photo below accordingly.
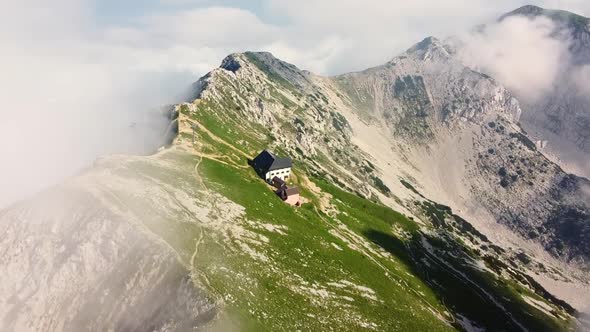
(520, 53)
(66, 98)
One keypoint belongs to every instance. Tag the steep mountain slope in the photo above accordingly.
(426, 96)
(255, 101)
(425, 87)
(568, 26)
(563, 115)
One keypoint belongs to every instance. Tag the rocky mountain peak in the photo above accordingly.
(232, 62)
(569, 20)
(526, 10)
(267, 63)
(430, 48)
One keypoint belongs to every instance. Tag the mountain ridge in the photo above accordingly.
(305, 119)
(420, 49)
(577, 22)
(277, 107)
(427, 207)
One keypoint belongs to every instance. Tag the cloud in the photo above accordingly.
(369, 33)
(192, 40)
(66, 97)
(363, 34)
(328, 37)
(520, 53)
(582, 79)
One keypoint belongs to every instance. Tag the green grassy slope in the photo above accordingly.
(360, 266)
(293, 289)
(366, 244)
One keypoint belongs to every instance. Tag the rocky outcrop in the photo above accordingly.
(427, 86)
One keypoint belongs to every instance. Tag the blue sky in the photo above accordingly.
(329, 36)
(122, 12)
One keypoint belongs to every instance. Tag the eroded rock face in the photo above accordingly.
(528, 193)
(425, 88)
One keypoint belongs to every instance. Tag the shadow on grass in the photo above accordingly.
(465, 290)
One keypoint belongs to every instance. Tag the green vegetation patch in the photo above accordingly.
(524, 140)
(311, 265)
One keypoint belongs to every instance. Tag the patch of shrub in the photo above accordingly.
(300, 122)
(381, 186)
(366, 169)
(339, 122)
(524, 140)
(410, 187)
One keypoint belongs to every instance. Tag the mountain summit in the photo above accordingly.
(570, 20)
(570, 27)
